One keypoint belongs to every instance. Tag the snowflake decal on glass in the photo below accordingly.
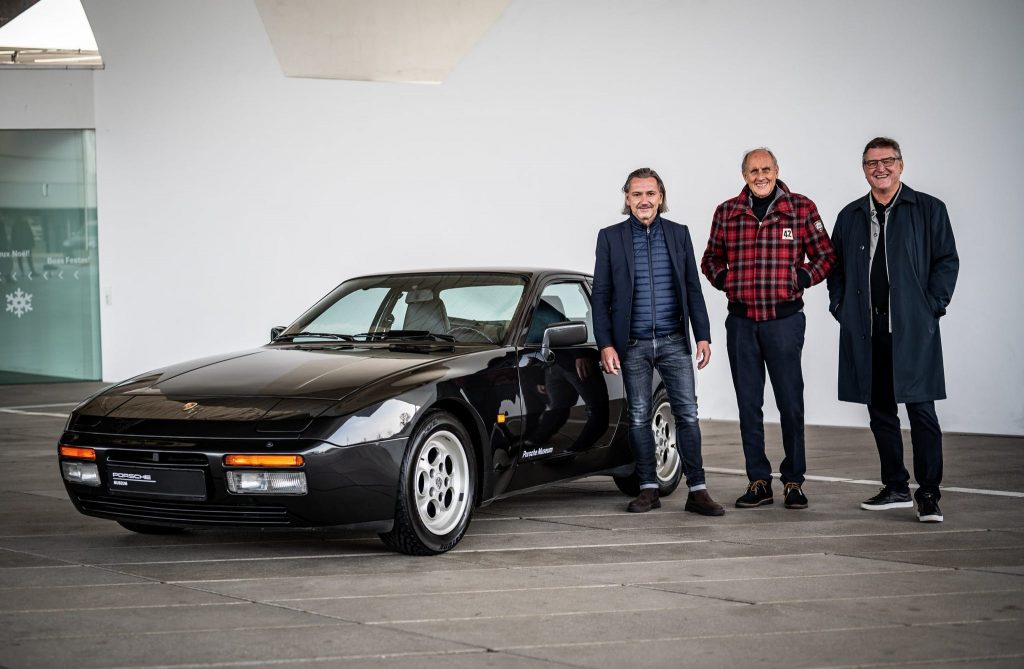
(19, 302)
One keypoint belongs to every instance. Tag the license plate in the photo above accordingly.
(182, 483)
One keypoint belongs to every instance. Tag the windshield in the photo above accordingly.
(467, 308)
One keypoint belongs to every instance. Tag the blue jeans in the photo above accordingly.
(670, 357)
(778, 346)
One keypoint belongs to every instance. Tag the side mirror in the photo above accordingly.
(566, 333)
(276, 331)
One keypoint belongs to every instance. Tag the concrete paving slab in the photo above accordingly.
(1007, 629)
(959, 558)
(101, 596)
(13, 559)
(1018, 570)
(610, 627)
(742, 570)
(920, 537)
(1012, 661)
(257, 647)
(821, 647)
(486, 526)
(806, 588)
(504, 605)
(472, 659)
(317, 564)
(60, 576)
(575, 537)
(968, 606)
(652, 549)
(456, 579)
(125, 548)
(89, 544)
(548, 579)
(67, 626)
(16, 503)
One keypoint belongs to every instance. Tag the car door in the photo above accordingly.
(571, 409)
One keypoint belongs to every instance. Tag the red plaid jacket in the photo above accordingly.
(761, 262)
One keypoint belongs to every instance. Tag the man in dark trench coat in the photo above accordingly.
(895, 274)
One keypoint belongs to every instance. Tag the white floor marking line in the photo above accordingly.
(42, 406)
(34, 413)
(878, 484)
(578, 546)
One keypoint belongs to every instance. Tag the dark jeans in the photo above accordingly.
(776, 346)
(925, 433)
(668, 355)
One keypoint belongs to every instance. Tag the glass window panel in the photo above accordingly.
(48, 256)
(471, 308)
(565, 301)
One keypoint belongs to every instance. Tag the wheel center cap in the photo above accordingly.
(439, 482)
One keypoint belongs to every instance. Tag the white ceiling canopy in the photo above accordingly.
(51, 32)
(415, 41)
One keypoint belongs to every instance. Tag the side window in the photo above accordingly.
(566, 301)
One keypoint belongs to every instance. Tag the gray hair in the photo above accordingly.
(743, 165)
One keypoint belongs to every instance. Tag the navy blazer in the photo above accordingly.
(613, 284)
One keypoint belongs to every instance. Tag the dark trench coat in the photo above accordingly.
(923, 265)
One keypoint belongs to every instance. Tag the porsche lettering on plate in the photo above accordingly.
(159, 482)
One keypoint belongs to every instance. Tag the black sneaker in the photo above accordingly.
(758, 493)
(795, 497)
(887, 498)
(928, 510)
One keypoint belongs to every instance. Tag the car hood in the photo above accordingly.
(285, 372)
(280, 389)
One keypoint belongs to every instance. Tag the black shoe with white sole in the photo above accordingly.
(887, 498)
(928, 510)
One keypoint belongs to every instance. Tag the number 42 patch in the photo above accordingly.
(787, 233)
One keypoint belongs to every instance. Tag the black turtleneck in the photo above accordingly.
(760, 204)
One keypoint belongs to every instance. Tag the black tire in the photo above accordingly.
(436, 488)
(669, 462)
(143, 528)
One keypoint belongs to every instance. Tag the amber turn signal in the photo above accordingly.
(258, 460)
(77, 453)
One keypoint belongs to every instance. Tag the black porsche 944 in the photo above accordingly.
(398, 403)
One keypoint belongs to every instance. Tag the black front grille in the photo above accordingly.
(156, 457)
(123, 508)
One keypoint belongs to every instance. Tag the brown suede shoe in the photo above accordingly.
(645, 501)
(701, 502)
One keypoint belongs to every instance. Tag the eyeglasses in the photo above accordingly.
(887, 162)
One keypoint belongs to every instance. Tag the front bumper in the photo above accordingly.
(347, 485)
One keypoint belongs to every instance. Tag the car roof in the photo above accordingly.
(532, 272)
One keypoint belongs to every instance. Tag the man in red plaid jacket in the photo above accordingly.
(767, 245)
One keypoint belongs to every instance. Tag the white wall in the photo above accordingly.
(230, 197)
(46, 99)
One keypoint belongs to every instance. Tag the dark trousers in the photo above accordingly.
(776, 346)
(925, 433)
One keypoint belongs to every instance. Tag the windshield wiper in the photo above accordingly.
(321, 335)
(407, 335)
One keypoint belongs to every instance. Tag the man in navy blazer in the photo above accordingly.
(646, 295)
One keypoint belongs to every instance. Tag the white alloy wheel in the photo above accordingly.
(441, 483)
(666, 454)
